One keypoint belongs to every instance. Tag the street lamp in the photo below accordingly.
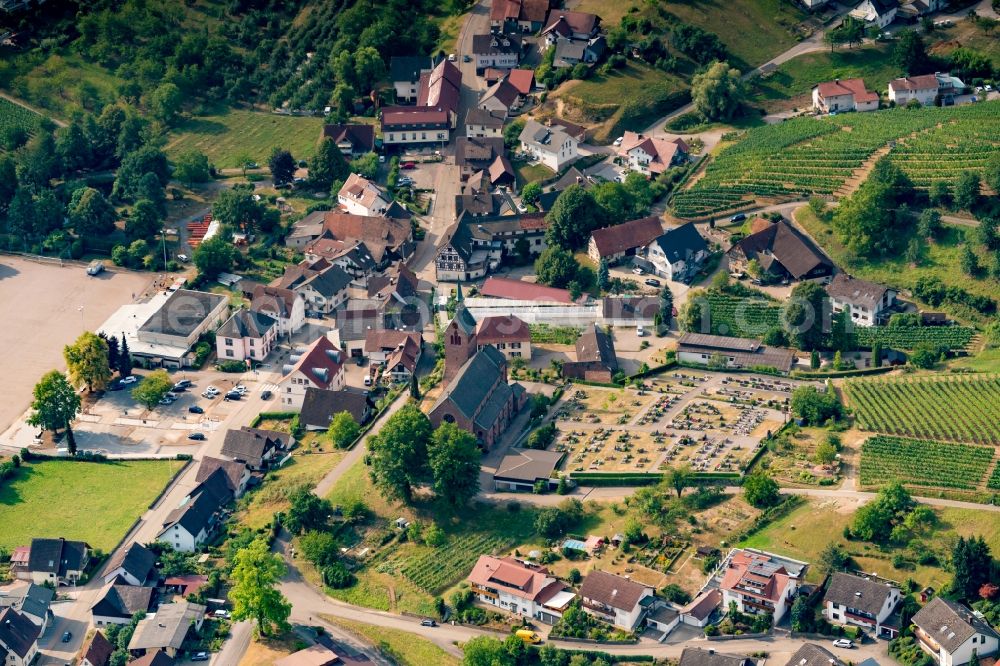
(163, 241)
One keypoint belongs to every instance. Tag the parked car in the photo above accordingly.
(640, 331)
(428, 623)
(167, 400)
(183, 258)
(131, 379)
(408, 165)
(265, 395)
(67, 636)
(466, 58)
(184, 383)
(96, 267)
(739, 217)
(234, 395)
(220, 613)
(242, 390)
(199, 656)
(451, 57)
(195, 409)
(197, 436)
(843, 643)
(619, 140)
(653, 282)
(638, 271)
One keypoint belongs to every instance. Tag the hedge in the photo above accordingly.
(654, 370)
(620, 479)
(272, 416)
(800, 374)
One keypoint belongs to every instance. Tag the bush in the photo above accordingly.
(338, 576)
(543, 437)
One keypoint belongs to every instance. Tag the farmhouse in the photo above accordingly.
(844, 95)
(596, 360)
(476, 245)
(480, 123)
(810, 654)
(405, 72)
(18, 638)
(723, 351)
(509, 335)
(868, 303)
(167, 628)
(521, 469)
(861, 601)
(677, 254)
(519, 588)
(386, 239)
(614, 599)
(320, 406)
(782, 252)
(255, 447)
(135, 565)
(615, 243)
(651, 156)
(570, 25)
(550, 145)
(247, 335)
(951, 633)
(282, 305)
(57, 561)
(116, 604)
(760, 582)
(360, 196)
(923, 89)
(353, 140)
(502, 51)
(876, 12)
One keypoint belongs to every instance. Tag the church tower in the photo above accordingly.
(459, 340)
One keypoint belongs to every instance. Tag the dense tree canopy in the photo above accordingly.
(718, 92)
(55, 404)
(255, 576)
(398, 453)
(871, 222)
(87, 361)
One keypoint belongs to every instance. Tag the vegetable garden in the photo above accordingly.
(14, 116)
(806, 156)
(923, 463)
(435, 569)
(955, 409)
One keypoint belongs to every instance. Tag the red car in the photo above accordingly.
(408, 165)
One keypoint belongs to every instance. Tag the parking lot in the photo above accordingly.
(47, 306)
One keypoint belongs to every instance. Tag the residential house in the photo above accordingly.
(863, 602)
(923, 89)
(247, 335)
(480, 123)
(477, 245)
(387, 239)
(320, 365)
(474, 154)
(19, 558)
(116, 604)
(314, 655)
(510, 335)
(867, 302)
(572, 52)
(663, 618)
(522, 469)
(360, 196)
(320, 406)
(237, 474)
(195, 520)
(523, 15)
(97, 651)
(402, 362)
(709, 657)
(951, 633)
(479, 399)
(596, 360)
(441, 89)
(185, 585)
(167, 628)
(811, 654)
(257, 448)
(523, 80)
(135, 565)
(327, 289)
(550, 145)
(502, 51)
(520, 588)
(678, 254)
(726, 352)
(283, 305)
(501, 97)
(405, 72)
(912, 10)
(760, 583)
(18, 638)
(155, 658)
(615, 243)
(842, 95)
(701, 609)
(408, 125)
(353, 140)
(782, 252)
(651, 155)
(570, 25)
(879, 13)
(32, 601)
(619, 601)
(380, 344)
(57, 561)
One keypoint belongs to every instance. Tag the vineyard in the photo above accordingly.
(806, 156)
(909, 337)
(438, 568)
(742, 317)
(15, 116)
(954, 409)
(923, 463)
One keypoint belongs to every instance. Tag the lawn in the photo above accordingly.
(401, 646)
(796, 77)
(531, 173)
(302, 470)
(227, 136)
(92, 502)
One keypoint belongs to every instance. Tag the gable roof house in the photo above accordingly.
(18, 638)
(651, 155)
(481, 123)
(570, 25)
(810, 654)
(194, 521)
(501, 97)
(615, 243)
(401, 364)
(924, 89)
(97, 651)
(782, 251)
(703, 348)
(868, 302)
(135, 565)
(405, 73)
(701, 657)
(32, 601)
(237, 474)
(502, 51)
(521, 469)
(57, 561)
(255, 447)
(360, 196)
(951, 633)
(116, 604)
(572, 52)
(320, 365)
(441, 89)
(552, 146)
(388, 239)
(320, 406)
(476, 245)
(519, 588)
(283, 305)
(876, 12)
(596, 360)
(614, 599)
(523, 15)
(677, 254)
(167, 628)
(479, 399)
(407, 125)
(758, 583)
(844, 95)
(474, 154)
(508, 334)
(314, 655)
(246, 335)
(861, 601)
(523, 80)
(352, 139)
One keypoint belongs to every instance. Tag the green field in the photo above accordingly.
(923, 463)
(225, 137)
(954, 409)
(797, 77)
(92, 502)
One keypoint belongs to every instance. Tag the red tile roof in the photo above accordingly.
(626, 236)
(854, 87)
(923, 82)
(517, 290)
(321, 363)
(502, 329)
(513, 577)
(414, 116)
(522, 79)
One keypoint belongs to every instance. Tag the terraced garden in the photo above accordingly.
(923, 463)
(816, 156)
(953, 409)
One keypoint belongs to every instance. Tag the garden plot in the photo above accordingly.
(601, 406)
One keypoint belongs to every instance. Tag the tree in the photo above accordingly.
(308, 511)
(666, 306)
(876, 354)
(454, 462)
(804, 314)
(124, 359)
(991, 174)
(910, 54)
(486, 651)
(761, 490)
(369, 68)
(72, 148)
(512, 134)
(871, 222)
(967, 189)
(398, 453)
(940, 194)
(972, 564)
(556, 267)
(832, 558)
(254, 592)
(603, 275)
(814, 360)
(90, 213)
(969, 261)
(135, 165)
(328, 166)
(238, 209)
(924, 356)
(875, 520)
(718, 92)
(679, 478)
(87, 361)
(531, 192)
(192, 167)
(215, 256)
(144, 220)
(152, 388)
(165, 103)
(282, 166)
(929, 222)
(55, 402)
(574, 215)
(365, 165)
(343, 430)
(815, 407)
(802, 615)
(149, 188)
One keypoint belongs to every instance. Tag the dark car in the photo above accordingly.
(653, 282)
(234, 395)
(67, 636)
(428, 623)
(197, 436)
(739, 217)
(265, 395)
(195, 409)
